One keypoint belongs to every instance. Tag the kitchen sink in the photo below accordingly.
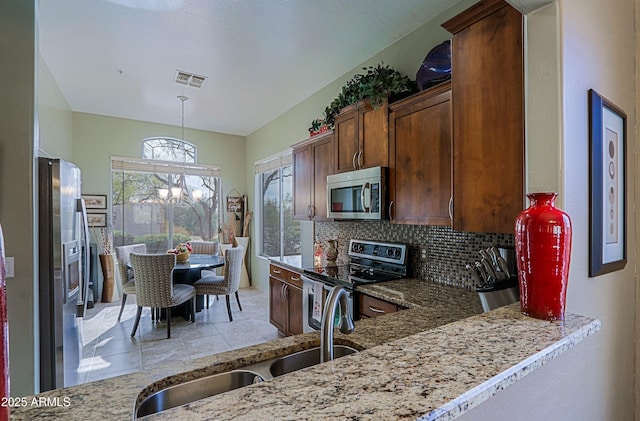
(303, 359)
(194, 390)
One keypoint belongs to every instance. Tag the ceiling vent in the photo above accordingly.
(185, 78)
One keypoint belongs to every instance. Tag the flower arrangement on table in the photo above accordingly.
(182, 251)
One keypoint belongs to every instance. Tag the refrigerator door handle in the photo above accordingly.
(84, 297)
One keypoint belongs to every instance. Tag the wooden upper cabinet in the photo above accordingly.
(373, 131)
(420, 158)
(346, 140)
(488, 117)
(361, 137)
(322, 167)
(302, 161)
(312, 162)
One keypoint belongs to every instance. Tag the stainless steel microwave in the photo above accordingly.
(359, 194)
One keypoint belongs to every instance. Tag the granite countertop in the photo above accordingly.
(293, 263)
(433, 361)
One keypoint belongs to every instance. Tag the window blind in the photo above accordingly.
(282, 159)
(163, 167)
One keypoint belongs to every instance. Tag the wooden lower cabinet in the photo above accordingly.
(278, 305)
(294, 298)
(369, 306)
(285, 300)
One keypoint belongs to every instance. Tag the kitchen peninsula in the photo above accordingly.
(425, 362)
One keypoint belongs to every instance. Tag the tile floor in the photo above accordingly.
(108, 349)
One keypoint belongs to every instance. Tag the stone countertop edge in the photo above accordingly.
(115, 396)
(294, 267)
(481, 393)
(388, 381)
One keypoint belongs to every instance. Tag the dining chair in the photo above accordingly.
(155, 288)
(227, 284)
(126, 274)
(205, 247)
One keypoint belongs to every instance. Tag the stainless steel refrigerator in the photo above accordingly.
(63, 249)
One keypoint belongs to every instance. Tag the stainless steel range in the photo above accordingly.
(369, 262)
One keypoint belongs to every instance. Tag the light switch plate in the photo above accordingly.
(9, 267)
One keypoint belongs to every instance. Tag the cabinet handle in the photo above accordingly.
(451, 208)
(282, 290)
(376, 310)
(285, 291)
(313, 212)
(276, 271)
(359, 160)
(390, 206)
(294, 278)
(353, 161)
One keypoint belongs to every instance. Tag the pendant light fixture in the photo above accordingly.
(181, 188)
(175, 193)
(195, 194)
(183, 98)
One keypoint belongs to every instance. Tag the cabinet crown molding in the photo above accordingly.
(473, 14)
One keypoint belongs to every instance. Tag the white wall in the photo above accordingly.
(594, 381)
(97, 138)
(55, 119)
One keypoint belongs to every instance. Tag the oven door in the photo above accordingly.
(312, 321)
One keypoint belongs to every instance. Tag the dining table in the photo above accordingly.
(189, 273)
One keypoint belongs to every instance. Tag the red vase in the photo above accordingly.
(543, 249)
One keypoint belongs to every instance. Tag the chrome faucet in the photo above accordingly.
(337, 296)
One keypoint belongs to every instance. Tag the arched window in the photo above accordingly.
(169, 149)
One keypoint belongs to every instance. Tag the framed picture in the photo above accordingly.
(97, 220)
(234, 204)
(607, 186)
(95, 201)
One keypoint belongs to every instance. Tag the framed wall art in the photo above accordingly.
(607, 186)
(97, 220)
(95, 201)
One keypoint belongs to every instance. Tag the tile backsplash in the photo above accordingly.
(448, 251)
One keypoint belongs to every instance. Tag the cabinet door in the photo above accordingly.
(278, 306)
(373, 136)
(322, 167)
(302, 177)
(346, 141)
(294, 297)
(488, 117)
(420, 161)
